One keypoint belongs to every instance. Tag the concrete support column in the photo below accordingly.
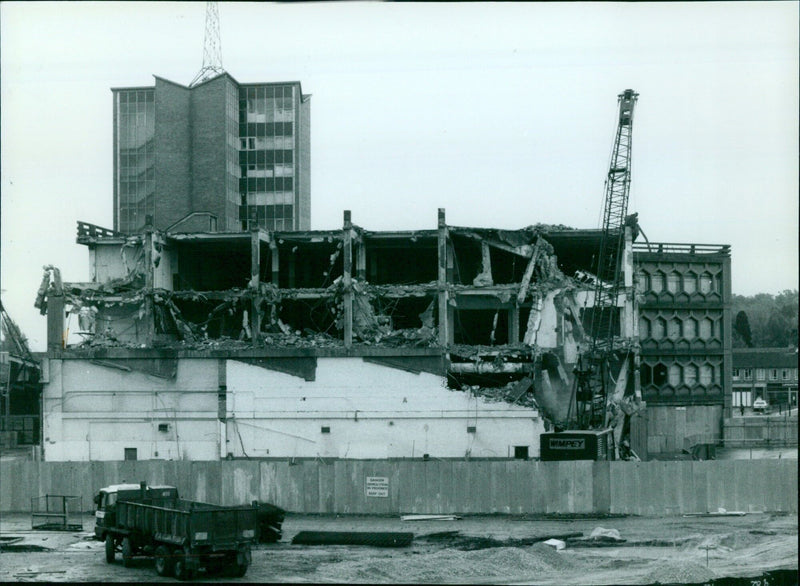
(727, 339)
(513, 325)
(148, 321)
(630, 324)
(451, 310)
(55, 321)
(630, 321)
(347, 279)
(444, 323)
(361, 260)
(255, 284)
(274, 260)
(222, 406)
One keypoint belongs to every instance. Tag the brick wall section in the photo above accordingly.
(173, 153)
(208, 147)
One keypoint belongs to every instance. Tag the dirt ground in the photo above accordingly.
(475, 549)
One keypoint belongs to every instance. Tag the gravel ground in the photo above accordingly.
(479, 549)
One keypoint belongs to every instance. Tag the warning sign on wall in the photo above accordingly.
(377, 486)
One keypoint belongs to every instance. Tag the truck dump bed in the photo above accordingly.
(191, 523)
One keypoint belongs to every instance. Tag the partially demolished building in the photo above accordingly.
(451, 343)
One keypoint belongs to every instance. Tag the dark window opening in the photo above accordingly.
(308, 316)
(520, 452)
(407, 312)
(458, 381)
(213, 267)
(217, 319)
(467, 260)
(130, 454)
(660, 375)
(402, 266)
(646, 374)
(304, 266)
(506, 266)
(325, 429)
(477, 326)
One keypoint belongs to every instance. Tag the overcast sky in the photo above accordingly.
(504, 114)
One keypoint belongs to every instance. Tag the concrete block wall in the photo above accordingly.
(433, 486)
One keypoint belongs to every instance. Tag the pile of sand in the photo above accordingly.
(447, 565)
(680, 573)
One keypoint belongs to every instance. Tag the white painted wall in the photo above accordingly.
(94, 412)
(373, 411)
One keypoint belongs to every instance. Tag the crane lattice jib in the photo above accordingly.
(612, 242)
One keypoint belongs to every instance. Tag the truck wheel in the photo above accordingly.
(110, 551)
(239, 566)
(239, 570)
(163, 561)
(127, 552)
(181, 571)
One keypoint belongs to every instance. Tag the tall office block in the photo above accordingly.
(219, 155)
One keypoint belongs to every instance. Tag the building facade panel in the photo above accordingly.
(684, 323)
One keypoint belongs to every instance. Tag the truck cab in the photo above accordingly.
(106, 499)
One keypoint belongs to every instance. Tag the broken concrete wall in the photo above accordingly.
(164, 262)
(116, 260)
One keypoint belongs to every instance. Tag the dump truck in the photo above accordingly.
(183, 536)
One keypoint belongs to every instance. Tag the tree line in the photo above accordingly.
(764, 320)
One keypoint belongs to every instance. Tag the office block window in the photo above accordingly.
(267, 158)
(135, 157)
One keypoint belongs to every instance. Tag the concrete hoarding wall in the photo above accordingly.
(746, 432)
(434, 486)
(672, 429)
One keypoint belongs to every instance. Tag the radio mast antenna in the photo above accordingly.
(212, 47)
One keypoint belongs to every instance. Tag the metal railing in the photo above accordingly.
(683, 248)
(57, 512)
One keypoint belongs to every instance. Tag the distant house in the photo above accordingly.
(769, 373)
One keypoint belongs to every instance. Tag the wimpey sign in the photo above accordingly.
(567, 443)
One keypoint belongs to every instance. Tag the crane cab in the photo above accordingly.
(578, 445)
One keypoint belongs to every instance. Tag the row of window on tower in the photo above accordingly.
(786, 374)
